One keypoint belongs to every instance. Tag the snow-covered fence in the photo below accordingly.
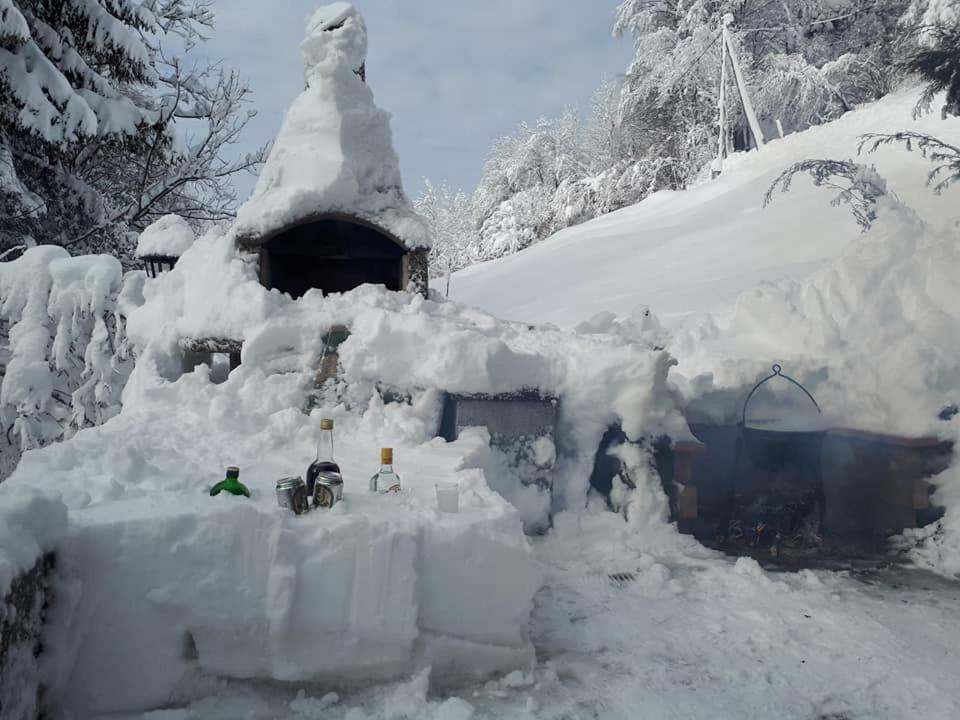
(63, 351)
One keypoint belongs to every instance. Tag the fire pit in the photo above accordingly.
(776, 496)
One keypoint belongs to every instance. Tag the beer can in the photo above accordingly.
(328, 490)
(292, 495)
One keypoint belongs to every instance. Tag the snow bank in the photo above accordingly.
(32, 522)
(159, 583)
(693, 251)
(194, 300)
(405, 342)
(171, 235)
(241, 589)
(334, 152)
(868, 322)
(875, 335)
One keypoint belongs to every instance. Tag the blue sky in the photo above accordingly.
(455, 75)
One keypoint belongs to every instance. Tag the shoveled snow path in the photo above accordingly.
(685, 639)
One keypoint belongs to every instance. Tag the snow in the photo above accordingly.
(57, 308)
(26, 288)
(159, 584)
(406, 342)
(12, 23)
(161, 587)
(692, 636)
(881, 319)
(171, 235)
(642, 255)
(32, 520)
(866, 321)
(244, 589)
(334, 153)
(174, 605)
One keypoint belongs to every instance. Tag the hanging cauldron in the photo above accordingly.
(776, 443)
(776, 492)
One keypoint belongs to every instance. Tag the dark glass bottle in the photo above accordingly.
(324, 464)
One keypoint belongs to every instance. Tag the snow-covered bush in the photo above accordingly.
(63, 344)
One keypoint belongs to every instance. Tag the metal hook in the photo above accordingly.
(777, 372)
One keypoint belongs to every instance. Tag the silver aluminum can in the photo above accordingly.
(292, 495)
(328, 491)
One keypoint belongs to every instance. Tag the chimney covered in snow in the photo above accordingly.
(329, 211)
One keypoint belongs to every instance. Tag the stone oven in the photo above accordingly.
(329, 212)
(335, 252)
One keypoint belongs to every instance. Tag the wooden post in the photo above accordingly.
(742, 85)
(722, 143)
(683, 454)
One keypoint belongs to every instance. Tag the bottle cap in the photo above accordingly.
(386, 456)
(326, 424)
(233, 471)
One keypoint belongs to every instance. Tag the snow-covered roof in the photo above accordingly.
(334, 154)
(169, 236)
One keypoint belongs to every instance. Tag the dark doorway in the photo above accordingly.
(332, 255)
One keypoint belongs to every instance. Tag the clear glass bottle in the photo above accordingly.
(386, 480)
(324, 464)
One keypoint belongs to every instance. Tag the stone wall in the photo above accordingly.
(21, 619)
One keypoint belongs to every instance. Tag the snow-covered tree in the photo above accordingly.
(603, 133)
(93, 119)
(450, 218)
(64, 358)
(937, 62)
(805, 62)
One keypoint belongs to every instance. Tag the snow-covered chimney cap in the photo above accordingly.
(336, 38)
(170, 236)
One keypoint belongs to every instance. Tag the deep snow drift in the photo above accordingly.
(696, 250)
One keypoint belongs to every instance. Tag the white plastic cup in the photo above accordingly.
(448, 497)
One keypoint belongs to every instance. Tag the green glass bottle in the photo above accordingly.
(231, 484)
